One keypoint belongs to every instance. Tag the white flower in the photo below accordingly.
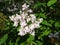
(18, 17)
(36, 25)
(23, 18)
(32, 33)
(33, 18)
(20, 11)
(27, 29)
(24, 6)
(30, 10)
(28, 19)
(23, 24)
(40, 20)
(21, 33)
(26, 14)
(12, 17)
(31, 26)
(23, 15)
(15, 24)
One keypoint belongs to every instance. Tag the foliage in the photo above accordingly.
(49, 10)
(51, 2)
(4, 38)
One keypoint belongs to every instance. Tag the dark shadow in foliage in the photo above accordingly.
(23, 38)
(13, 5)
(38, 33)
(12, 36)
(46, 41)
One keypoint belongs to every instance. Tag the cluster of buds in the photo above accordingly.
(23, 18)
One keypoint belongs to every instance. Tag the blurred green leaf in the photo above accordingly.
(4, 43)
(30, 39)
(37, 5)
(39, 43)
(18, 28)
(10, 43)
(51, 2)
(3, 39)
(16, 43)
(51, 21)
(42, 15)
(57, 24)
(22, 43)
(44, 33)
(38, 15)
(42, 10)
(46, 23)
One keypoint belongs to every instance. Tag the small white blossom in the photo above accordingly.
(23, 24)
(36, 25)
(24, 6)
(40, 20)
(20, 11)
(15, 24)
(33, 18)
(32, 33)
(30, 10)
(18, 17)
(12, 17)
(28, 19)
(21, 33)
(31, 26)
(27, 29)
(23, 15)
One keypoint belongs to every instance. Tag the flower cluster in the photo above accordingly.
(23, 18)
(55, 35)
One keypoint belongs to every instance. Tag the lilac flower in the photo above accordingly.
(24, 6)
(23, 18)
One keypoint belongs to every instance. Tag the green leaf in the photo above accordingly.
(39, 43)
(16, 43)
(10, 43)
(37, 5)
(42, 10)
(42, 15)
(23, 43)
(46, 23)
(3, 39)
(18, 28)
(57, 24)
(4, 43)
(28, 23)
(51, 21)
(38, 15)
(51, 2)
(30, 39)
(46, 32)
